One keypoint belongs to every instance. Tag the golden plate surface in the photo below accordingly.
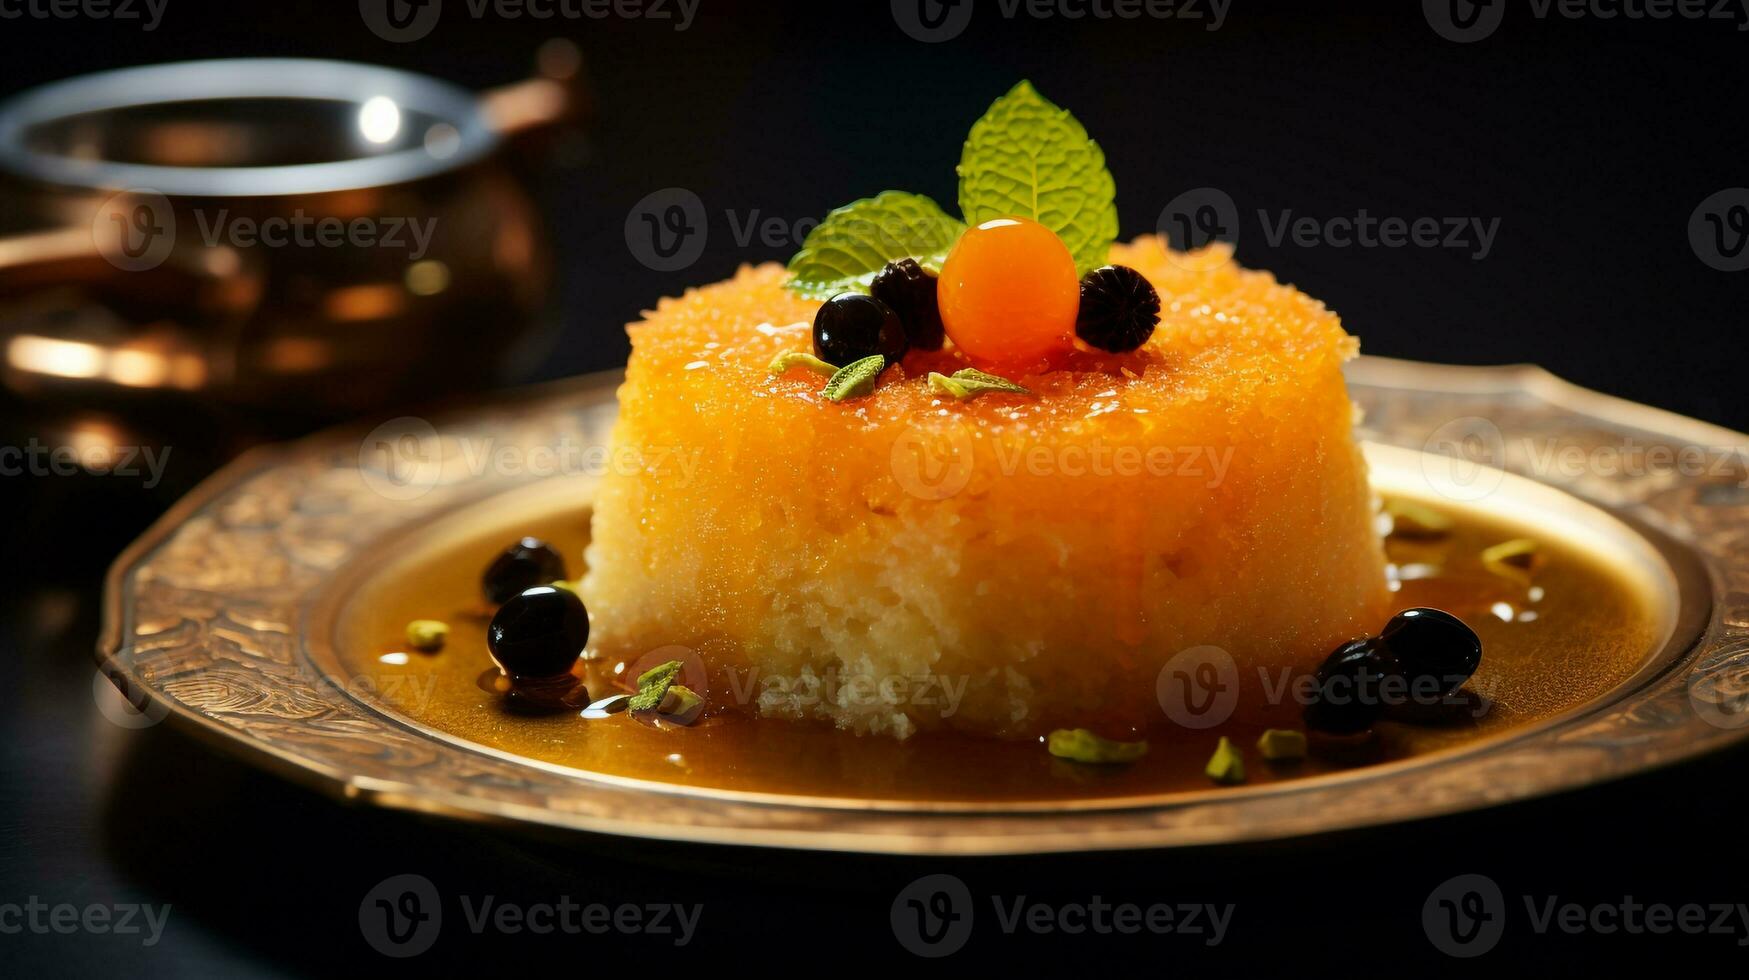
(229, 616)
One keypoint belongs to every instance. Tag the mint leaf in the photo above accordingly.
(1028, 158)
(855, 242)
(856, 378)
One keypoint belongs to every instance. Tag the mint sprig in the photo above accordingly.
(1031, 159)
(1025, 158)
(855, 242)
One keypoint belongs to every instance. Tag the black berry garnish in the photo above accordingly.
(1437, 651)
(852, 326)
(908, 289)
(523, 565)
(1352, 686)
(539, 633)
(1119, 309)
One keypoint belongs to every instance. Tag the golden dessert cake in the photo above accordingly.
(1021, 515)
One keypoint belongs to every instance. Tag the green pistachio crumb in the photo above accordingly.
(1227, 765)
(1277, 744)
(678, 701)
(653, 685)
(971, 382)
(856, 378)
(1413, 520)
(797, 358)
(1082, 745)
(427, 635)
(1516, 559)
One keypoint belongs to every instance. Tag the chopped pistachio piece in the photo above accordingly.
(1412, 520)
(427, 635)
(1282, 743)
(1227, 765)
(1082, 745)
(798, 358)
(971, 382)
(680, 705)
(1516, 559)
(653, 685)
(948, 386)
(856, 378)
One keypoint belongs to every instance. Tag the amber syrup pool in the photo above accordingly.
(1564, 636)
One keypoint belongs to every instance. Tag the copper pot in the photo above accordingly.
(293, 236)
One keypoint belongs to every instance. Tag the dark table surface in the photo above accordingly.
(1592, 140)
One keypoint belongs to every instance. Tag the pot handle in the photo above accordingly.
(558, 93)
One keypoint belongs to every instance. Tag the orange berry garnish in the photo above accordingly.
(1008, 293)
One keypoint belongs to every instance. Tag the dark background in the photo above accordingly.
(1591, 141)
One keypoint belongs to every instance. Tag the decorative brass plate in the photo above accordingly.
(222, 616)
